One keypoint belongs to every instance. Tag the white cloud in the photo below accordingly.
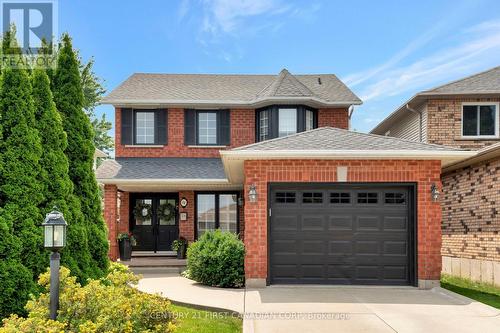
(227, 15)
(479, 47)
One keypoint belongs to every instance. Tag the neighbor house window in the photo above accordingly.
(480, 120)
(280, 121)
(287, 122)
(216, 211)
(207, 128)
(144, 127)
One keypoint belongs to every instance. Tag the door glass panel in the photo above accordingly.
(228, 208)
(166, 212)
(143, 211)
(205, 205)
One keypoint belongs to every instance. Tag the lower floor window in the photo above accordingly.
(216, 211)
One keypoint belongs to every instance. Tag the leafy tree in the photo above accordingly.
(54, 176)
(21, 250)
(93, 91)
(68, 96)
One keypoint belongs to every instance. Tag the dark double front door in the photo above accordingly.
(154, 221)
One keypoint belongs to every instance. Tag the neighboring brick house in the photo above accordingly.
(462, 114)
(271, 158)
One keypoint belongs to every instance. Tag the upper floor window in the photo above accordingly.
(280, 121)
(207, 127)
(143, 126)
(480, 120)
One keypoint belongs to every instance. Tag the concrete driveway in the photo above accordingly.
(304, 309)
(365, 309)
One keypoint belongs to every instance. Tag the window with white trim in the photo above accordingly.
(287, 122)
(264, 125)
(207, 128)
(480, 120)
(144, 127)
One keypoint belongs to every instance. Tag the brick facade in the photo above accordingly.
(242, 133)
(111, 218)
(186, 228)
(334, 117)
(471, 218)
(423, 173)
(444, 123)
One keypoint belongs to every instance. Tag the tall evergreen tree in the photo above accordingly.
(68, 96)
(21, 250)
(54, 177)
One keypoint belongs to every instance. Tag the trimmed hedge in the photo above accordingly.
(217, 259)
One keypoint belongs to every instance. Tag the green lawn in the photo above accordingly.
(487, 294)
(189, 320)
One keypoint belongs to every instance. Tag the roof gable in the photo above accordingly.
(285, 84)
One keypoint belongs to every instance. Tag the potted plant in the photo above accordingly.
(180, 245)
(125, 243)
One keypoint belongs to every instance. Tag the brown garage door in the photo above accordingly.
(341, 234)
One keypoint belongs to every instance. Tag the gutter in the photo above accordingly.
(172, 181)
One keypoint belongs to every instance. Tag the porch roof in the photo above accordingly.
(162, 172)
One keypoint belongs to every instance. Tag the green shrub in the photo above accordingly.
(216, 259)
(110, 304)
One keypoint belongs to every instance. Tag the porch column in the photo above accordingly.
(110, 216)
(186, 228)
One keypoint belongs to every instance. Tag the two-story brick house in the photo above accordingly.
(462, 114)
(271, 158)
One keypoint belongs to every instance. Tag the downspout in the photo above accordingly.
(350, 110)
(419, 120)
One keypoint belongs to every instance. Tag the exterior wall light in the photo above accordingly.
(435, 192)
(54, 230)
(252, 193)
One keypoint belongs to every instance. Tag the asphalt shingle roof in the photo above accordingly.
(161, 168)
(487, 81)
(219, 88)
(330, 138)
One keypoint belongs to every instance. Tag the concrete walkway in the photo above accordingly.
(335, 308)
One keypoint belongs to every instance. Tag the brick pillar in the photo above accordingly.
(110, 216)
(123, 218)
(186, 228)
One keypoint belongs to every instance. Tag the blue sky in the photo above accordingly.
(385, 51)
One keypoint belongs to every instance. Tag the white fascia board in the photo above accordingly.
(163, 181)
(336, 154)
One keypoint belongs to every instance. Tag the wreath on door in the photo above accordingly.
(143, 211)
(166, 211)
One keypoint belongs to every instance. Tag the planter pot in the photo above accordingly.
(125, 249)
(181, 253)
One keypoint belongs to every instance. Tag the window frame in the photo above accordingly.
(134, 126)
(273, 119)
(479, 136)
(217, 208)
(197, 120)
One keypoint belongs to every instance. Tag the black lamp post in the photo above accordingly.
(54, 230)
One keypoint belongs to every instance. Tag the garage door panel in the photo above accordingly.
(285, 222)
(368, 223)
(395, 223)
(340, 236)
(340, 222)
(310, 222)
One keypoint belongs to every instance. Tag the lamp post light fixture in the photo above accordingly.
(435, 192)
(252, 193)
(54, 230)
